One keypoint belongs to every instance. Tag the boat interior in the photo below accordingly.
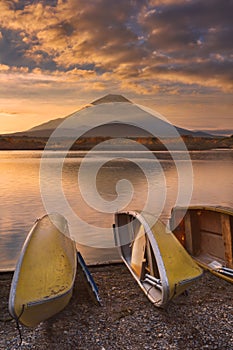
(136, 249)
(207, 235)
(53, 278)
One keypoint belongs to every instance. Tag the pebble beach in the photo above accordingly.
(126, 320)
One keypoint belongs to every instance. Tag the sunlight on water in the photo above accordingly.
(21, 202)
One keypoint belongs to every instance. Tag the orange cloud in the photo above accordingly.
(4, 67)
(52, 51)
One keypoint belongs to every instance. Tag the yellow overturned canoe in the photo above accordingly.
(44, 276)
(207, 234)
(155, 258)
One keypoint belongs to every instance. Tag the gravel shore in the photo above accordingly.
(127, 320)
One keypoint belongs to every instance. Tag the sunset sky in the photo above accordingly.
(174, 56)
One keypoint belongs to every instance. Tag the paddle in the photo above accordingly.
(89, 277)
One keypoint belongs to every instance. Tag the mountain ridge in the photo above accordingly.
(114, 129)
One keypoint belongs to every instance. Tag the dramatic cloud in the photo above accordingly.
(146, 47)
(181, 41)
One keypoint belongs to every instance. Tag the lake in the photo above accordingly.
(93, 185)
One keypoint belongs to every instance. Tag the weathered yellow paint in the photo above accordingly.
(44, 276)
(158, 262)
(181, 270)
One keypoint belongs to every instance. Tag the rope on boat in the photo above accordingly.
(18, 326)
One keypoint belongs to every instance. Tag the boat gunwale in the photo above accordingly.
(17, 270)
(46, 300)
(213, 271)
(218, 209)
(161, 267)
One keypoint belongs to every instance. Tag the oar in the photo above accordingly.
(226, 271)
(156, 282)
(89, 277)
(216, 266)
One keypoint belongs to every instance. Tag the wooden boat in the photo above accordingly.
(155, 258)
(207, 234)
(44, 276)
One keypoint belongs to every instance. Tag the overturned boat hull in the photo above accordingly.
(44, 276)
(207, 234)
(155, 258)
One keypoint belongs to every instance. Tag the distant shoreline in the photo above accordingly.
(15, 143)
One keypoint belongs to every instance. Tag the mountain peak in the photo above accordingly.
(110, 98)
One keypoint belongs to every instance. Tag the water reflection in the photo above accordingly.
(21, 202)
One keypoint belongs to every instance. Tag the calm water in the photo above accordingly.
(91, 223)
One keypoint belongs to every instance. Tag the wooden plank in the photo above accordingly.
(188, 233)
(192, 232)
(212, 244)
(210, 221)
(138, 252)
(149, 258)
(227, 239)
(176, 219)
(196, 232)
